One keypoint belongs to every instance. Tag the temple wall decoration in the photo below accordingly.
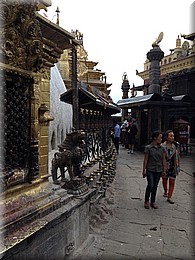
(44, 119)
(26, 69)
(21, 36)
(17, 129)
(18, 52)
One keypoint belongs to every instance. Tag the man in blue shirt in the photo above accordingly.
(117, 132)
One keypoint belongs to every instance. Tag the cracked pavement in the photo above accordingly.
(121, 228)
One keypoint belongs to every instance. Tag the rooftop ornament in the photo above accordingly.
(155, 55)
(124, 77)
(78, 35)
(158, 40)
(58, 20)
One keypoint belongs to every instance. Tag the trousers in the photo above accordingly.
(171, 186)
(116, 143)
(153, 179)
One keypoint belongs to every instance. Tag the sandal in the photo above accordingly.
(154, 205)
(146, 205)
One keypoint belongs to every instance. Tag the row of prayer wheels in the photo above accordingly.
(101, 178)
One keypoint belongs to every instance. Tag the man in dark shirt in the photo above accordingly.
(132, 131)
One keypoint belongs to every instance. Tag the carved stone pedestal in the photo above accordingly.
(76, 187)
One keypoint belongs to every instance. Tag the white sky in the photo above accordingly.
(118, 34)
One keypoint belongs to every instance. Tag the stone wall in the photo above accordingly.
(64, 232)
(61, 111)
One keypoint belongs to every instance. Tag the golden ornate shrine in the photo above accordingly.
(30, 46)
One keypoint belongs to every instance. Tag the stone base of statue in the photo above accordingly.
(76, 187)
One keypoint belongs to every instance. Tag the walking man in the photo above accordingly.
(132, 131)
(116, 136)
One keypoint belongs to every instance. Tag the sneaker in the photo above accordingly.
(154, 205)
(129, 152)
(170, 201)
(146, 205)
(132, 152)
(165, 194)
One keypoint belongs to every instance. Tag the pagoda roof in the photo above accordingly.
(56, 34)
(181, 121)
(155, 99)
(190, 36)
(90, 98)
(184, 98)
(98, 82)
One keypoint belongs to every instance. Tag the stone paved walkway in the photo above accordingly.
(121, 228)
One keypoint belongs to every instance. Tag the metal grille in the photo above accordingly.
(16, 122)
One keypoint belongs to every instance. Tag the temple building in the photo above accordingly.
(39, 217)
(168, 89)
(96, 105)
(86, 71)
(179, 61)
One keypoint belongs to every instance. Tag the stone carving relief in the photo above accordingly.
(185, 48)
(44, 116)
(78, 35)
(22, 45)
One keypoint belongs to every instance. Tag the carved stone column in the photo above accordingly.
(125, 89)
(155, 55)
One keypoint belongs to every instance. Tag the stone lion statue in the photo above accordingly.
(70, 156)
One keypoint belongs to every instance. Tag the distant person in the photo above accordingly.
(172, 168)
(154, 166)
(116, 137)
(132, 131)
(124, 133)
